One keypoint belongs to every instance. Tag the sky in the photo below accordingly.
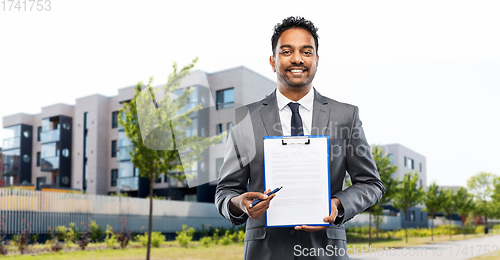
(425, 74)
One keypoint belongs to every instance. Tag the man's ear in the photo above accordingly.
(272, 61)
(317, 61)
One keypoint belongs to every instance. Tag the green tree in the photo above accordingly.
(482, 186)
(386, 169)
(464, 205)
(432, 203)
(408, 195)
(448, 204)
(157, 136)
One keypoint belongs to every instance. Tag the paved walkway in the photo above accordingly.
(456, 250)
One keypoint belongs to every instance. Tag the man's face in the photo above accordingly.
(295, 61)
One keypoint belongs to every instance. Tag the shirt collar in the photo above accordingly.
(306, 101)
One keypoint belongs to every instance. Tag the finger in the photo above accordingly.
(329, 219)
(256, 195)
(267, 191)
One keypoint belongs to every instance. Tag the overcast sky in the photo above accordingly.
(425, 74)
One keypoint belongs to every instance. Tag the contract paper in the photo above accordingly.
(301, 165)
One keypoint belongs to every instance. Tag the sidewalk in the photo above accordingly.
(456, 250)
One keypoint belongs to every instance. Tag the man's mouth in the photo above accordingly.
(297, 71)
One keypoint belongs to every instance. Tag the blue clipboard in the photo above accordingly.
(286, 155)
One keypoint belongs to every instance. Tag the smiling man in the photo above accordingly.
(296, 108)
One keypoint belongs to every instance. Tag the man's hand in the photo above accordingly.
(241, 204)
(335, 205)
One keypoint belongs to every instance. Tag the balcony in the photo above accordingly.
(124, 153)
(10, 169)
(49, 136)
(10, 143)
(128, 183)
(49, 163)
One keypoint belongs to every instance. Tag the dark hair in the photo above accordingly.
(294, 22)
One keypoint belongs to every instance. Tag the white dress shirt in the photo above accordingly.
(305, 111)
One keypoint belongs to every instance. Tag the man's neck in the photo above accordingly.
(294, 94)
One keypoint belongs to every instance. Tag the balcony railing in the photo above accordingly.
(10, 143)
(10, 169)
(49, 136)
(49, 163)
(124, 153)
(128, 183)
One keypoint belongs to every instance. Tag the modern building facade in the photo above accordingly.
(408, 160)
(82, 146)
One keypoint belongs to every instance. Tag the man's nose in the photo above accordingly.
(297, 58)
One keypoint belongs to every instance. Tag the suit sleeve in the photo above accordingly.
(235, 172)
(367, 188)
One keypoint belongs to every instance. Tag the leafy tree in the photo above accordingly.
(448, 204)
(408, 195)
(386, 169)
(163, 130)
(432, 203)
(482, 186)
(464, 204)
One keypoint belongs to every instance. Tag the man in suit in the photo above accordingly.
(296, 108)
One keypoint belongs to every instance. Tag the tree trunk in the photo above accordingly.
(406, 226)
(449, 219)
(432, 227)
(485, 225)
(370, 228)
(150, 228)
(463, 225)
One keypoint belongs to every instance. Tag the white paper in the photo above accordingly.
(302, 170)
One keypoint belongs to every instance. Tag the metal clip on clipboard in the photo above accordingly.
(295, 140)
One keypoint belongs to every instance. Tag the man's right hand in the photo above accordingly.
(241, 204)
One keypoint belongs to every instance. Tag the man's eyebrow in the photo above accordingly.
(290, 46)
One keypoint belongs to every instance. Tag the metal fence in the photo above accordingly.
(42, 210)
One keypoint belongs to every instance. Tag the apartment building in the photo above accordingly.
(82, 146)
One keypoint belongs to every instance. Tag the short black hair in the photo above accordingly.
(294, 22)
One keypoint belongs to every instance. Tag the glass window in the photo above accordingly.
(12, 137)
(113, 148)
(10, 161)
(219, 128)
(126, 169)
(50, 150)
(38, 157)
(85, 120)
(391, 158)
(409, 163)
(225, 98)
(39, 132)
(159, 179)
(114, 177)
(65, 152)
(420, 166)
(114, 119)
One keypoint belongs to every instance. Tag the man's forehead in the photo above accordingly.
(296, 37)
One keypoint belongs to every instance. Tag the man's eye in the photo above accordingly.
(308, 52)
(286, 52)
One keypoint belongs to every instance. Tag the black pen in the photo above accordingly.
(255, 202)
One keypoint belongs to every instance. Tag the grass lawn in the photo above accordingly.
(171, 250)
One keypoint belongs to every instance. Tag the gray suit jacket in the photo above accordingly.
(243, 165)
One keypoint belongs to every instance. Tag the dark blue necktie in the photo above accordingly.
(296, 125)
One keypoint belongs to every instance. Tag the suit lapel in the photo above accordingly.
(270, 116)
(321, 114)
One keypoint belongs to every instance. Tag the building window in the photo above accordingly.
(114, 177)
(114, 119)
(420, 165)
(218, 166)
(224, 98)
(391, 158)
(38, 158)
(420, 182)
(409, 163)
(40, 181)
(113, 149)
(39, 132)
(219, 128)
(159, 179)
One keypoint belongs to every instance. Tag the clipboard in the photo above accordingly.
(300, 164)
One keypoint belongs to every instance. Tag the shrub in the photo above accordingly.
(110, 239)
(216, 236)
(23, 239)
(156, 239)
(480, 229)
(83, 237)
(124, 235)
(95, 232)
(4, 249)
(206, 241)
(228, 238)
(61, 233)
(184, 236)
(241, 236)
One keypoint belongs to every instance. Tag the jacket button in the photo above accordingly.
(292, 232)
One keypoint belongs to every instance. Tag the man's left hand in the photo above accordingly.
(335, 204)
